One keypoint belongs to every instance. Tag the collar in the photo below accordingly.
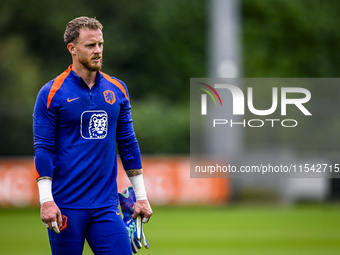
(77, 78)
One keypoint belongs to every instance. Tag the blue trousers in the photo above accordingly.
(103, 229)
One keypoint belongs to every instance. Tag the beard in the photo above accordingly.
(91, 66)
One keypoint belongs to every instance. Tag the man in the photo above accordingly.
(78, 118)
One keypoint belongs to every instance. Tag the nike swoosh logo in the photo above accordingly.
(118, 213)
(70, 100)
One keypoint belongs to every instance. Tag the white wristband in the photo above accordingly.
(137, 183)
(45, 190)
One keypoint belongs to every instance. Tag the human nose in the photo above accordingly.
(98, 49)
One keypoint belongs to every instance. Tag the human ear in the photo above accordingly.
(71, 48)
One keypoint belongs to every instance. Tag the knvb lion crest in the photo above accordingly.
(109, 97)
(64, 223)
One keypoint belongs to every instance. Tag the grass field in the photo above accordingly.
(235, 230)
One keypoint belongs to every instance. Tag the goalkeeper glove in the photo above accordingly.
(55, 227)
(134, 226)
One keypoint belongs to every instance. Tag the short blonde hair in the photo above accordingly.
(73, 27)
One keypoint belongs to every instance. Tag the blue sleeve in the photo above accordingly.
(44, 126)
(127, 144)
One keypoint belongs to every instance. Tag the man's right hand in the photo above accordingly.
(51, 216)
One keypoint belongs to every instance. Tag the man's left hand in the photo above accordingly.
(142, 208)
